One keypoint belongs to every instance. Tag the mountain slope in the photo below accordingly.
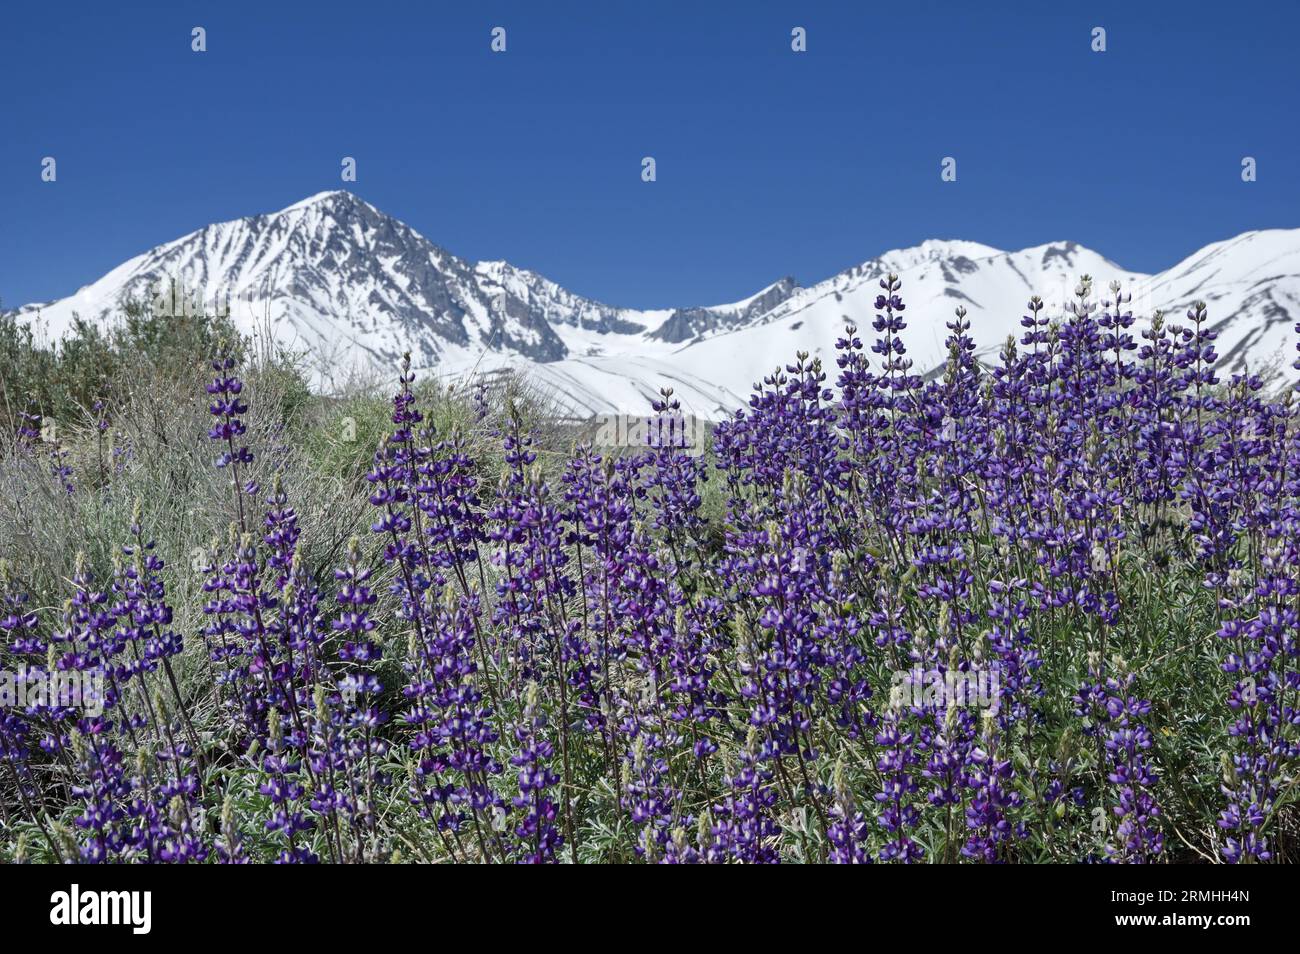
(1251, 284)
(335, 276)
(355, 288)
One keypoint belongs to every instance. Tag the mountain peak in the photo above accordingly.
(941, 248)
(331, 199)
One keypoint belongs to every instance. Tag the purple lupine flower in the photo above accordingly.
(849, 830)
(23, 651)
(282, 786)
(742, 825)
(230, 845)
(992, 798)
(84, 648)
(453, 727)
(347, 748)
(1252, 772)
(897, 814)
(31, 431)
(539, 837)
(1118, 719)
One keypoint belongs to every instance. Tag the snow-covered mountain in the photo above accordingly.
(353, 287)
(332, 274)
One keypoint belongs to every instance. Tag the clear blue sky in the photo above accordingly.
(769, 162)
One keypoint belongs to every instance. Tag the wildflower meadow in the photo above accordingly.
(1040, 605)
